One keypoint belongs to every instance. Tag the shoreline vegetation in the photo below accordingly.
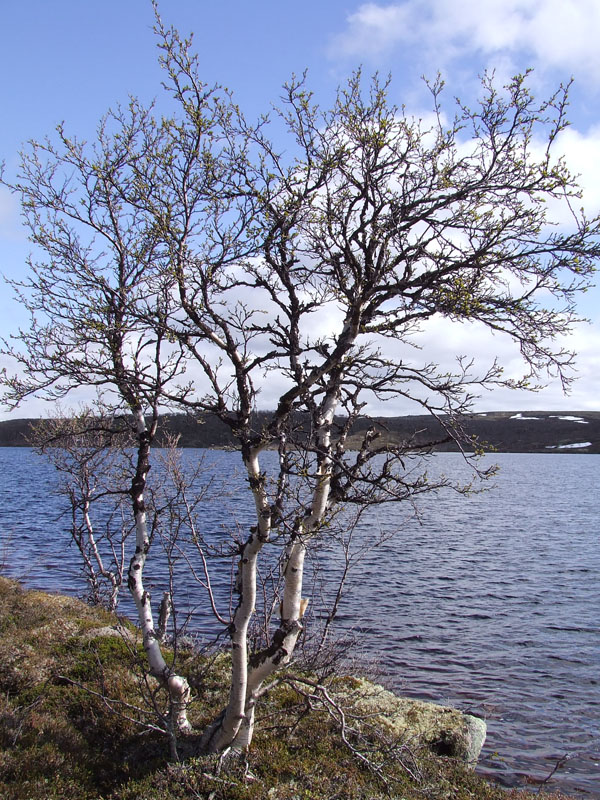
(502, 432)
(74, 724)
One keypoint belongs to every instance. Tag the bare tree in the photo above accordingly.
(87, 451)
(89, 301)
(365, 228)
(306, 271)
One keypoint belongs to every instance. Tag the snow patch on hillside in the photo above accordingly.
(568, 446)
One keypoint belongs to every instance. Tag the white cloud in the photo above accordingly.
(559, 34)
(374, 29)
(442, 341)
(582, 155)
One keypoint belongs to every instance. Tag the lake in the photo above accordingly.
(489, 603)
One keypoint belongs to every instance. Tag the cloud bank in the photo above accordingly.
(549, 34)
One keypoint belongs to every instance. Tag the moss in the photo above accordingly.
(88, 659)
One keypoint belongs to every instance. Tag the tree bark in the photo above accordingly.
(177, 685)
(293, 606)
(222, 733)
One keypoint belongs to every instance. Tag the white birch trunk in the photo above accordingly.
(224, 730)
(105, 573)
(293, 605)
(177, 686)
(235, 726)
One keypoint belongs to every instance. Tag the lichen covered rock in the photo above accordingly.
(445, 731)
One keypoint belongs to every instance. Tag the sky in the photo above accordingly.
(70, 60)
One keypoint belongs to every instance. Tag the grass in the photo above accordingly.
(61, 741)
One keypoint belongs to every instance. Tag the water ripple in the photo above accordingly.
(489, 603)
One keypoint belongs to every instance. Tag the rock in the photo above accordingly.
(110, 630)
(445, 731)
(477, 730)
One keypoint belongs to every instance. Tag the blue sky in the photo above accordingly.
(72, 59)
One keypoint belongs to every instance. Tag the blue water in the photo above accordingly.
(490, 603)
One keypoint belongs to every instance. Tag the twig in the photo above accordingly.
(108, 702)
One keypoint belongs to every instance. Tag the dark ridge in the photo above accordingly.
(15, 432)
(502, 431)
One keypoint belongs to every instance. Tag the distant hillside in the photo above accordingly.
(505, 431)
(513, 432)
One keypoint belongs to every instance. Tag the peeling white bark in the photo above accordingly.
(177, 686)
(293, 604)
(113, 579)
(164, 614)
(223, 732)
(235, 726)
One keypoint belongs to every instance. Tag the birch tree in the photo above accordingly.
(304, 271)
(92, 287)
(360, 228)
(86, 450)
